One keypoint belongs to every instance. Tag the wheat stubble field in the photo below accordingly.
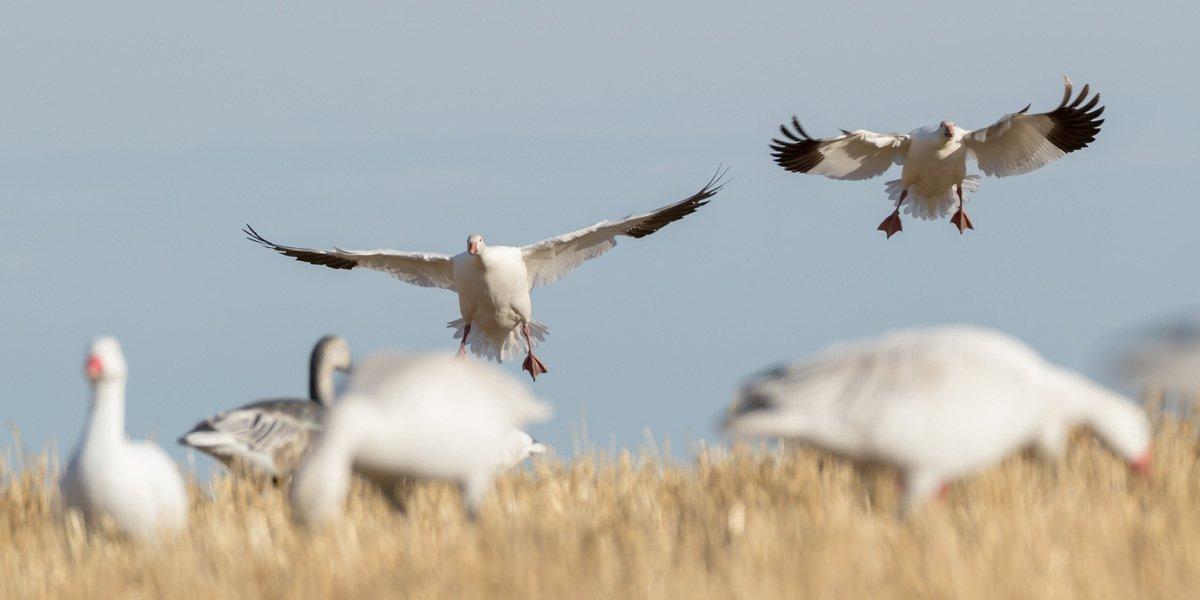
(765, 523)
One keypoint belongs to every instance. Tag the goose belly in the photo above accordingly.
(958, 433)
(932, 170)
(494, 295)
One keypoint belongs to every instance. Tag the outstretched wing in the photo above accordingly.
(549, 260)
(1020, 142)
(857, 154)
(426, 269)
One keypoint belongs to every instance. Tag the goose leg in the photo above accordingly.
(532, 364)
(919, 487)
(462, 347)
(960, 218)
(891, 225)
(474, 491)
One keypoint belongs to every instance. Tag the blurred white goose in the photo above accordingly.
(134, 484)
(934, 177)
(936, 404)
(493, 282)
(423, 417)
(270, 436)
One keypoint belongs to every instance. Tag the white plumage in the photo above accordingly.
(135, 484)
(493, 282)
(934, 175)
(936, 403)
(423, 417)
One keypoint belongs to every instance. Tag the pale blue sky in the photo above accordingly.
(138, 138)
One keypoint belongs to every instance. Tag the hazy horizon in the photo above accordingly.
(141, 137)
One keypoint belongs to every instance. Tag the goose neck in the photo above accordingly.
(106, 422)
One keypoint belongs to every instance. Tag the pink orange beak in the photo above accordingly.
(94, 367)
(1141, 465)
(472, 248)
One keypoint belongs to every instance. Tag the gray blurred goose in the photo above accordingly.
(269, 436)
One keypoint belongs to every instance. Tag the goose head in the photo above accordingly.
(1125, 429)
(105, 361)
(475, 244)
(947, 129)
(1120, 424)
(331, 353)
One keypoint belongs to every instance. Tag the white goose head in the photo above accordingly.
(475, 244)
(105, 361)
(1125, 429)
(947, 129)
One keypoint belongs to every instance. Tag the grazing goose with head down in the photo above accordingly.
(410, 416)
(934, 174)
(493, 282)
(937, 404)
(135, 484)
(269, 436)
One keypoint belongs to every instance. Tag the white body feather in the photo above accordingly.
(937, 404)
(933, 169)
(493, 296)
(432, 417)
(135, 484)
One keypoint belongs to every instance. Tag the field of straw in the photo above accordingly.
(746, 523)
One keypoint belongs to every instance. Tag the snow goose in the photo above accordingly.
(269, 436)
(934, 158)
(493, 282)
(936, 404)
(134, 484)
(423, 417)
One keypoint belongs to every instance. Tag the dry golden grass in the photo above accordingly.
(746, 524)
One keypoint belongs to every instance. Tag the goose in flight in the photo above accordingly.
(416, 417)
(934, 174)
(270, 436)
(134, 483)
(937, 404)
(493, 282)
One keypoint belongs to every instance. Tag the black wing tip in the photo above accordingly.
(683, 208)
(799, 155)
(1076, 121)
(715, 184)
(314, 257)
(257, 238)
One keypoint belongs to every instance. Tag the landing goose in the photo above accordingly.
(269, 436)
(934, 174)
(493, 282)
(134, 484)
(414, 417)
(937, 404)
